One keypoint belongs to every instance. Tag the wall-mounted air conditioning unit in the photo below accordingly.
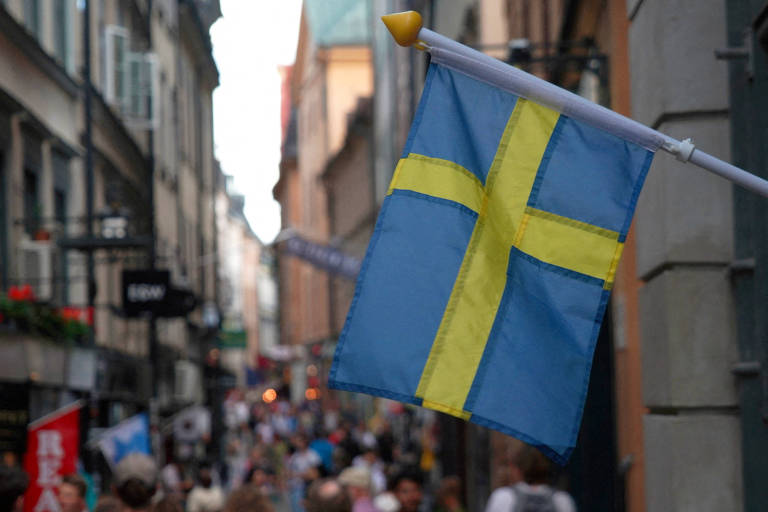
(35, 267)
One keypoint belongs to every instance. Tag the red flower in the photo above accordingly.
(14, 293)
(27, 293)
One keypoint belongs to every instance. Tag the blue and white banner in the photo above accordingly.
(129, 436)
(326, 257)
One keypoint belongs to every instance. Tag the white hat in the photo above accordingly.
(136, 465)
(356, 476)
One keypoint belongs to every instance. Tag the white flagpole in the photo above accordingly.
(406, 29)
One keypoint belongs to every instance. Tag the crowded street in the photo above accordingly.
(383, 255)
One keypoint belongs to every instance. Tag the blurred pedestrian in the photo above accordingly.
(324, 449)
(533, 493)
(407, 487)
(302, 470)
(247, 498)
(10, 459)
(167, 504)
(449, 495)
(263, 478)
(172, 480)
(13, 485)
(327, 495)
(357, 481)
(205, 496)
(107, 503)
(346, 446)
(386, 442)
(386, 502)
(72, 493)
(135, 481)
(370, 459)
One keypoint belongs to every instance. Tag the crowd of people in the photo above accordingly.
(283, 449)
(283, 460)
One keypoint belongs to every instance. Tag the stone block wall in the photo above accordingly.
(684, 229)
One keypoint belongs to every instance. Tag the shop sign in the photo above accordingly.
(144, 291)
(150, 291)
(233, 339)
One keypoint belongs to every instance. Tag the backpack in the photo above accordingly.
(530, 502)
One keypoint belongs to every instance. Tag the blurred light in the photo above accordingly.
(269, 396)
(311, 370)
(311, 394)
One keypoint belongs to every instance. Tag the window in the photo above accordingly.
(131, 79)
(33, 165)
(31, 209)
(180, 104)
(142, 87)
(115, 53)
(60, 163)
(32, 16)
(61, 30)
(60, 206)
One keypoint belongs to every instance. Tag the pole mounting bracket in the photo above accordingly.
(743, 52)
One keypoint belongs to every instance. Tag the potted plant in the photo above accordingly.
(38, 230)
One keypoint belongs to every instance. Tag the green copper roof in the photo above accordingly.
(339, 22)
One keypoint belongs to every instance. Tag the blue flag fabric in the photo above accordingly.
(129, 436)
(488, 273)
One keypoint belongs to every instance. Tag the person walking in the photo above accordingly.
(205, 496)
(135, 481)
(302, 470)
(72, 493)
(357, 481)
(247, 498)
(449, 495)
(533, 493)
(407, 486)
(327, 495)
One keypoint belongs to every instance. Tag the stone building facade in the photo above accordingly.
(152, 76)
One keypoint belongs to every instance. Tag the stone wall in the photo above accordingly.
(684, 228)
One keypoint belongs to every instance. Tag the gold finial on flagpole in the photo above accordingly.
(404, 26)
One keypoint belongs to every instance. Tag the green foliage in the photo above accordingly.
(41, 319)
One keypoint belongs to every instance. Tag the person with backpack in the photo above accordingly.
(532, 493)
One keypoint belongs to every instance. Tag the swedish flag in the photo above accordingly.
(489, 271)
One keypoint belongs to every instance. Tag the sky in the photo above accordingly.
(250, 41)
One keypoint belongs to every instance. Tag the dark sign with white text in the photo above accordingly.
(150, 292)
(145, 291)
